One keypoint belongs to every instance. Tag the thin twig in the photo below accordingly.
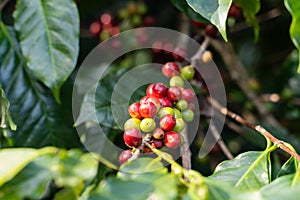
(220, 141)
(238, 73)
(200, 51)
(257, 128)
(3, 4)
(185, 150)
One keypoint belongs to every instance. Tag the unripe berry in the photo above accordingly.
(207, 56)
(180, 124)
(182, 104)
(188, 72)
(176, 81)
(188, 115)
(147, 125)
(166, 110)
(177, 113)
(132, 123)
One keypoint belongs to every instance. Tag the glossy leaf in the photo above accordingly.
(190, 13)
(14, 160)
(289, 167)
(5, 118)
(248, 171)
(40, 120)
(214, 11)
(293, 7)
(49, 44)
(68, 169)
(250, 9)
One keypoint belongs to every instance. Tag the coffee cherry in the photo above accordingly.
(188, 72)
(176, 81)
(191, 106)
(207, 56)
(174, 93)
(132, 137)
(199, 24)
(147, 150)
(172, 139)
(149, 21)
(158, 133)
(182, 104)
(132, 123)
(125, 155)
(180, 124)
(234, 12)
(170, 69)
(167, 122)
(158, 90)
(147, 125)
(188, 95)
(95, 28)
(154, 100)
(157, 144)
(166, 110)
(177, 113)
(211, 30)
(165, 102)
(148, 109)
(133, 110)
(188, 115)
(179, 54)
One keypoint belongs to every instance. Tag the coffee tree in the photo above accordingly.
(126, 129)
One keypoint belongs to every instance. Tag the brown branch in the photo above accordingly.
(220, 141)
(185, 150)
(257, 128)
(3, 4)
(238, 73)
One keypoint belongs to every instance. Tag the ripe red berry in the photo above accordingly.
(149, 21)
(167, 122)
(154, 100)
(234, 12)
(191, 106)
(174, 93)
(95, 28)
(158, 90)
(170, 69)
(199, 24)
(172, 139)
(133, 110)
(125, 155)
(188, 95)
(148, 109)
(165, 102)
(157, 144)
(179, 54)
(211, 30)
(132, 137)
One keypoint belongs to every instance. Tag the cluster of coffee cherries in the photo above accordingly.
(159, 117)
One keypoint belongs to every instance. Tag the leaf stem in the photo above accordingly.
(279, 143)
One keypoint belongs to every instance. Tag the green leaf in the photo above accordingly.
(16, 160)
(67, 169)
(4, 112)
(293, 7)
(250, 9)
(40, 120)
(248, 171)
(116, 189)
(49, 35)
(289, 167)
(190, 13)
(214, 11)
